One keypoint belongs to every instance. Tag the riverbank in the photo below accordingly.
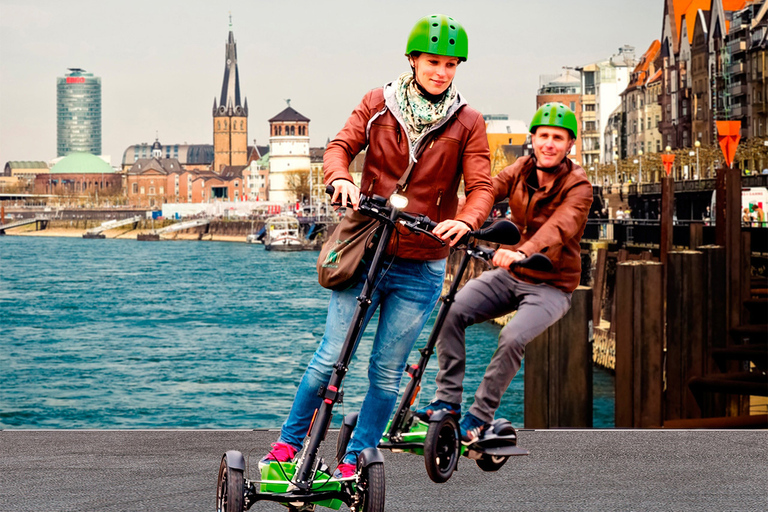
(70, 229)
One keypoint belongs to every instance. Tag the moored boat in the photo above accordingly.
(283, 234)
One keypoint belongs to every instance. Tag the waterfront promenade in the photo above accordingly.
(605, 470)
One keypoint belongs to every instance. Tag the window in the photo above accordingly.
(573, 106)
(142, 190)
(151, 191)
(162, 190)
(135, 188)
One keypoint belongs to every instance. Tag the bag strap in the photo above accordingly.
(402, 183)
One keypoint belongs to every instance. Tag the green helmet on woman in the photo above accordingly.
(557, 115)
(439, 35)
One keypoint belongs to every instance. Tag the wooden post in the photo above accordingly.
(639, 345)
(558, 370)
(599, 284)
(685, 336)
(719, 214)
(696, 236)
(733, 245)
(665, 220)
(715, 332)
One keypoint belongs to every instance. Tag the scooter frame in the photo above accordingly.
(438, 439)
(303, 488)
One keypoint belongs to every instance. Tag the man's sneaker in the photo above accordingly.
(280, 452)
(345, 470)
(438, 405)
(472, 428)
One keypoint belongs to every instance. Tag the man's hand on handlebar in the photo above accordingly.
(451, 231)
(504, 257)
(345, 190)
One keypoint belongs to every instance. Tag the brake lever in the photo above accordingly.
(414, 226)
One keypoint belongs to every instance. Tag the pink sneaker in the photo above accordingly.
(280, 452)
(344, 470)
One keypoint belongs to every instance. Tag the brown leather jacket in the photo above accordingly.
(551, 219)
(458, 146)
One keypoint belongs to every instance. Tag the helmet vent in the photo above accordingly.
(452, 27)
(434, 39)
(452, 41)
(434, 24)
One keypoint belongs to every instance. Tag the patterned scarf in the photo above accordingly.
(418, 112)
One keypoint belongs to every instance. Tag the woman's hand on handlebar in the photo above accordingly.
(345, 190)
(451, 231)
(504, 257)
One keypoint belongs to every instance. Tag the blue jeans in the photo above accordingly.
(406, 294)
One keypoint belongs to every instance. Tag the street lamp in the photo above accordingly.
(698, 145)
(616, 166)
(691, 154)
(640, 172)
(595, 180)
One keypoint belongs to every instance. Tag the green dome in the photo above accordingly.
(81, 163)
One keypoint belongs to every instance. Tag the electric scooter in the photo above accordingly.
(308, 482)
(438, 439)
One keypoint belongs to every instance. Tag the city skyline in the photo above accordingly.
(160, 63)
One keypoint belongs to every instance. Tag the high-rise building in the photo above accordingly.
(230, 117)
(78, 113)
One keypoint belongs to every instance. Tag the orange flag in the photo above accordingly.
(728, 134)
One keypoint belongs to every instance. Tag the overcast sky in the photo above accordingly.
(161, 62)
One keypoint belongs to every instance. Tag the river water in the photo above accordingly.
(120, 334)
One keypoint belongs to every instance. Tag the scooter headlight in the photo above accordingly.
(398, 201)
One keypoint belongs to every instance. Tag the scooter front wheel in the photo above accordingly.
(491, 462)
(230, 489)
(441, 449)
(370, 489)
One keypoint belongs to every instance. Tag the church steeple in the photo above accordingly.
(230, 117)
(229, 103)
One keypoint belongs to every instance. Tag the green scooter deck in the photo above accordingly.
(275, 480)
(412, 441)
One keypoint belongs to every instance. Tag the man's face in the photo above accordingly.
(551, 144)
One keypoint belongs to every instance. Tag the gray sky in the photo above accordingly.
(162, 62)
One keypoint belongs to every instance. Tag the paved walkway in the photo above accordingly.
(605, 470)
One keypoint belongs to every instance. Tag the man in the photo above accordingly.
(549, 198)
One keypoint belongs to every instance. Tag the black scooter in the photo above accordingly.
(438, 439)
(308, 482)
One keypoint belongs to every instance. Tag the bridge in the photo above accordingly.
(97, 232)
(43, 223)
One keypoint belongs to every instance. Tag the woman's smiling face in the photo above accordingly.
(434, 72)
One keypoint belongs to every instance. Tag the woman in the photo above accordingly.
(422, 119)
(549, 197)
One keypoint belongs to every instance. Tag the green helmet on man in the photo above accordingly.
(439, 35)
(557, 115)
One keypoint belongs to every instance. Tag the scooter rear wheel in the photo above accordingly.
(441, 449)
(230, 489)
(491, 462)
(370, 489)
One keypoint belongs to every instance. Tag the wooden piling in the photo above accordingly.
(558, 370)
(639, 345)
(665, 220)
(696, 238)
(599, 284)
(719, 213)
(733, 246)
(715, 331)
(685, 311)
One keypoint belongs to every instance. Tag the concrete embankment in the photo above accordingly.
(230, 231)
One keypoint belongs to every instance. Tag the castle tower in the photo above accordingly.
(288, 154)
(230, 118)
